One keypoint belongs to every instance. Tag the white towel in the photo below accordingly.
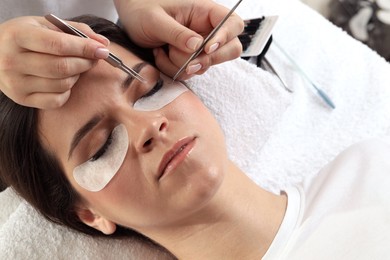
(356, 78)
(276, 137)
(9, 203)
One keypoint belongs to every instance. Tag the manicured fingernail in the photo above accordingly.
(101, 53)
(193, 43)
(213, 47)
(194, 68)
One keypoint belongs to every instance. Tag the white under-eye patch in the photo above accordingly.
(95, 175)
(169, 92)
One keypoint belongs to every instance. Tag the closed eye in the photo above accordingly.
(159, 84)
(163, 93)
(102, 150)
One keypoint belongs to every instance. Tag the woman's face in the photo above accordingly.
(175, 158)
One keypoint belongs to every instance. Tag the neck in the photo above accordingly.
(239, 223)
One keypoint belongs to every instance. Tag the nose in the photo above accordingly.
(148, 130)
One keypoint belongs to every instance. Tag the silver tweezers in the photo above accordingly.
(208, 38)
(112, 59)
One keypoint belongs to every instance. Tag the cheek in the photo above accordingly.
(129, 199)
(190, 110)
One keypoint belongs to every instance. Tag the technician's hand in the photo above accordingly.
(39, 64)
(153, 23)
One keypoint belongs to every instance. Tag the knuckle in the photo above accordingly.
(55, 102)
(240, 25)
(16, 96)
(56, 45)
(59, 100)
(236, 25)
(177, 34)
(25, 101)
(67, 83)
(208, 61)
(87, 52)
(237, 48)
(225, 33)
(62, 67)
(7, 63)
(13, 87)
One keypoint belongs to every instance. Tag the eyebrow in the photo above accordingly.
(129, 79)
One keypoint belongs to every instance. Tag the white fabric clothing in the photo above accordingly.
(344, 213)
(64, 9)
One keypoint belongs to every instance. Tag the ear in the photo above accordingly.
(96, 221)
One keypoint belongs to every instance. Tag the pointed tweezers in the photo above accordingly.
(112, 59)
(208, 38)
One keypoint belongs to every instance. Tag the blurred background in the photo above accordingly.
(366, 20)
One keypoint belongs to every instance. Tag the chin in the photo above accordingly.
(211, 182)
(207, 178)
(203, 188)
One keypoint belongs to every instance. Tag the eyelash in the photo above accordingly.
(159, 84)
(102, 150)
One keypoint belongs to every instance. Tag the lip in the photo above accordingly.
(175, 156)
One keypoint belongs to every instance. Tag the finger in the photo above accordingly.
(229, 51)
(42, 85)
(233, 26)
(163, 62)
(90, 33)
(25, 86)
(50, 66)
(78, 25)
(46, 100)
(44, 40)
(173, 33)
(170, 64)
(165, 65)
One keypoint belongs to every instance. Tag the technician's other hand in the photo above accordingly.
(39, 64)
(154, 23)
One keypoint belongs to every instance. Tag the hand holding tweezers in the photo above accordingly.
(208, 38)
(111, 59)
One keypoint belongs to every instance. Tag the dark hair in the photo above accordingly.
(35, 173)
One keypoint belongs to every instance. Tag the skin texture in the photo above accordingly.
(39, 65)
(193, 205)
(151, 135)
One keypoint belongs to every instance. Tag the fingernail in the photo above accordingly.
(194, 68)
(193, 43)
(213, 47)
(155, 52)
(101, 53)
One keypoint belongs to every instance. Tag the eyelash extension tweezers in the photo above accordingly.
(208, 38)
(112, 58)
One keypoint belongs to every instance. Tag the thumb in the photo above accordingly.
(176, 34)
